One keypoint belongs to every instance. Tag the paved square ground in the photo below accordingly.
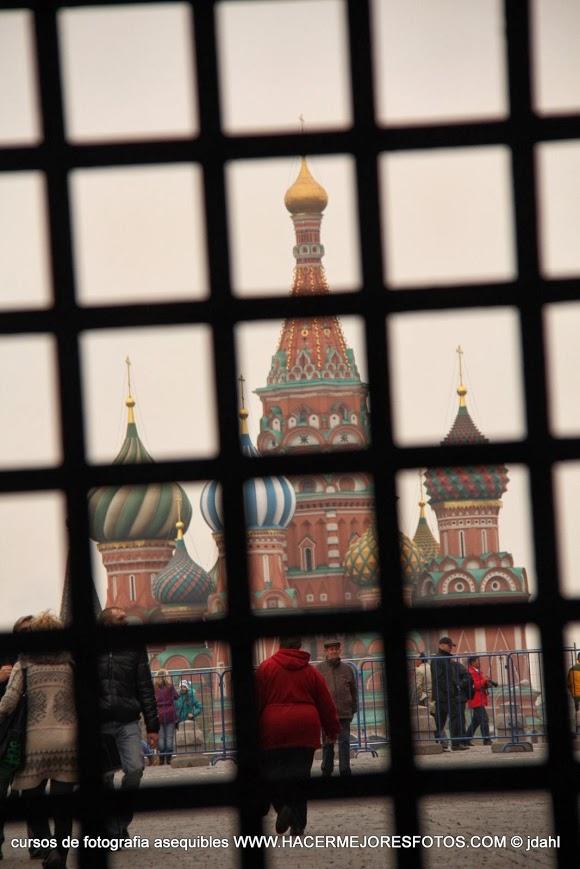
(522, 814)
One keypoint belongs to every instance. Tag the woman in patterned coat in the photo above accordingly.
(51, 751)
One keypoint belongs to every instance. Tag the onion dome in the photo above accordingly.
(478, 482)
(411, 561)
(135, 512)
(424, 539)
(306, 195)
(361, 562)
(182, 581)
(269, 502)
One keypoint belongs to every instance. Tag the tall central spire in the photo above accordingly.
(306, 199)
(310, 344)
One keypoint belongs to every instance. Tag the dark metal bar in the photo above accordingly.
(563, 781)
(521, 132)
(225, 368)
(72, 429)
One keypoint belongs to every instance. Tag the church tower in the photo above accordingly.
(269, 505)
(314, 400)
(134, 527)
(471, 567)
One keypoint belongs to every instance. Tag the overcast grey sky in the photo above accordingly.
(139, 236)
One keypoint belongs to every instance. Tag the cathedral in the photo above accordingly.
(311, 540)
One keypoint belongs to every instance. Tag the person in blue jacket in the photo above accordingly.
(187, 706)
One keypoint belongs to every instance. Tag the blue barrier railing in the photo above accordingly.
(508, 710)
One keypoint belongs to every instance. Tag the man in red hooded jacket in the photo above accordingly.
(294, 704)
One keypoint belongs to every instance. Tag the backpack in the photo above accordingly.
(467, 685)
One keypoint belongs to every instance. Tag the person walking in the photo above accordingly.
(422, 681)
(479, 700)
(126, 692)
(165, 697)
(51, 733)
(294, 704)
(574, 689)
(447, 696)
(340, 680)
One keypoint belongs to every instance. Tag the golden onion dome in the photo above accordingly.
(306, 194)
(361, 563)
(411, 560)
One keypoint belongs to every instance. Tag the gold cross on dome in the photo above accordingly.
(459, 352)
(241, 381)
(128, 364)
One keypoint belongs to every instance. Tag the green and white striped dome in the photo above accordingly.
(136, 512)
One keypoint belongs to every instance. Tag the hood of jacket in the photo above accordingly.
(292, 659)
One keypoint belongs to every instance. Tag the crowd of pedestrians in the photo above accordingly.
(42, 684)
(299, 706)
(449, 688)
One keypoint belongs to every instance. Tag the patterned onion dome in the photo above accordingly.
(361, 563)
(474, 482)
(269, 502)
(182, 581)
(306, 195)
(424, 539)
(136, 512)
(411, 561)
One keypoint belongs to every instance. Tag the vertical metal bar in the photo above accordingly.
(72, 430)
(393, 635)
(563, 786)
(225, 371)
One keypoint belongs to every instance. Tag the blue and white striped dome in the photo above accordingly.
(211, 507)
(269, 502)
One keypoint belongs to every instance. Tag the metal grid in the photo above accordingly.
(520, 132)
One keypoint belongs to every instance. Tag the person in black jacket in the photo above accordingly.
(126, 692)
(448, 696)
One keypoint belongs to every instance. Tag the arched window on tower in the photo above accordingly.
(114, 583)
(462, 544)
(484, 541)
(132, 587)
(307, 549)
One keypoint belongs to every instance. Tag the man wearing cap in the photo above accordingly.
(448, 696)
(341, 681)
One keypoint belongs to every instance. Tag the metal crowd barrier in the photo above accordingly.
(210, 729)
(441, 711)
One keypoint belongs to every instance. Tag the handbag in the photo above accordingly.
(13, 735)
